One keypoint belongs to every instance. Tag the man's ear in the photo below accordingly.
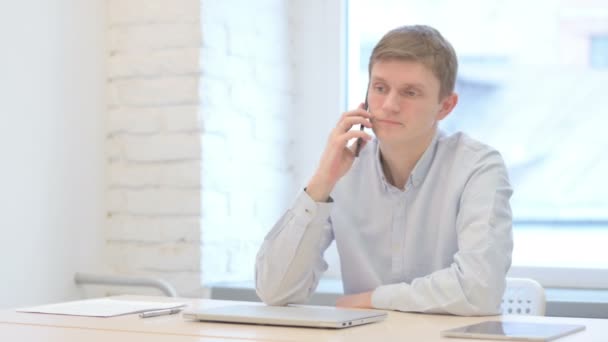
(447, 104)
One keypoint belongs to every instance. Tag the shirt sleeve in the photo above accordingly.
(290, 260)
(474, 283)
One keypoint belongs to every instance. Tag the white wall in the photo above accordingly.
(271, 94)
(51, 147)
(319, 49)
(247, 102)
(199, 175)
(319, 42)
(268, 83)
(154, 141)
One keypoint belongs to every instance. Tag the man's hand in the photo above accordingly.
(337, 157)
(359, 300)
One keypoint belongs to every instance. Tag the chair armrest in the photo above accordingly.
(102, 279)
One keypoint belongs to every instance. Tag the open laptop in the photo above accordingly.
(300, 316)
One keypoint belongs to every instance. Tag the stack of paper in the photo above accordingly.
(101, 307)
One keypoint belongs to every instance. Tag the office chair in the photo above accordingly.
(523, 296)
(116, 280)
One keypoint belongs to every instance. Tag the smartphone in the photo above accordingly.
(359, 140)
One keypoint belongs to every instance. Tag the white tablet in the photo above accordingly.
(514, 331)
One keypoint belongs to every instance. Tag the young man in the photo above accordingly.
(421, 220)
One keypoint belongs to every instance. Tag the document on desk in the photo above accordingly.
(101, 307)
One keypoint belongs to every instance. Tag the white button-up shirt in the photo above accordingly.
(442, 244)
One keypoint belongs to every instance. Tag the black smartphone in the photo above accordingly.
(359, 140)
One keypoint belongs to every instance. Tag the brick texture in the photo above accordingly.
(200, 94)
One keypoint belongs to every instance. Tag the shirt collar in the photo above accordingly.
(424, 163)
(420, 169)
(378, 165)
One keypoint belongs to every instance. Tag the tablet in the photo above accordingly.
(514, 331)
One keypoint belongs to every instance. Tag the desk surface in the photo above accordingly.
(26, 332)
(398, 326)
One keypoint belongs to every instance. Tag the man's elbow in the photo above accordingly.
(270, 293)
(486, 308)
(270, 297)
(280, 295)
(484, 301)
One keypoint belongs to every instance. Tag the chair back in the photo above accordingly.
(523, 296)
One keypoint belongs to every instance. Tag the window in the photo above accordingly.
(599, 52)
(530, 85)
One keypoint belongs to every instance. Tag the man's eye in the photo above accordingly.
(411, 93)
(379, 89)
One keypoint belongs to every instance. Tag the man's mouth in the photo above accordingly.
(388, 122)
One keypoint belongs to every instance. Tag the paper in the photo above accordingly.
(101, 307)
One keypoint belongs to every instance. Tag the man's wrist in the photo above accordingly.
(318, 190)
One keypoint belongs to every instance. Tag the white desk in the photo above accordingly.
(398, 326)
(28, 332)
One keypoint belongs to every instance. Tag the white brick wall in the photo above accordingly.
(247, 100)
(154, 141)
(200, 97)
(133, 12)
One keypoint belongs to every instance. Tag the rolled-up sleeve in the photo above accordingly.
(474, 283)
(290, 260)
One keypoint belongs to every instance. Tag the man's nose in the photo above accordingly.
(391, 103)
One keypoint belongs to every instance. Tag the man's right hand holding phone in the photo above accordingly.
(338, 158)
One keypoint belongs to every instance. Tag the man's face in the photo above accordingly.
(403, 97)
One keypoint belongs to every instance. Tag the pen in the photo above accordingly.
(161, 312)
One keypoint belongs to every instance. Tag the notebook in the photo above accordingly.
(514, 331)
(300, 316)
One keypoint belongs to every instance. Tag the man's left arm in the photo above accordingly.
(474, 283)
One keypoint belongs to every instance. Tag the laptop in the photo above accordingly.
(298, 316)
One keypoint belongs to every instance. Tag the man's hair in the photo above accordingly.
(422, 44)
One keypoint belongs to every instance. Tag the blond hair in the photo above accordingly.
(423, 44)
